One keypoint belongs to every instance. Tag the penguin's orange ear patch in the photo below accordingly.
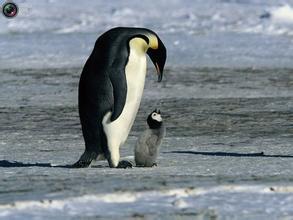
(154, 44)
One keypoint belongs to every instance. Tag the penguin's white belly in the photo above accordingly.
(135, 71)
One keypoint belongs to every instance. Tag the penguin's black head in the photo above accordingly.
(158, 54)
(155, 120)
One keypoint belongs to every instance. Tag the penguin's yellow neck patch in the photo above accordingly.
(138, 44)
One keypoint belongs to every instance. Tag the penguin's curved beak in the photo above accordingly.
(158, 57)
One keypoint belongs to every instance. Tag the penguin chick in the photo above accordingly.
(147, 146)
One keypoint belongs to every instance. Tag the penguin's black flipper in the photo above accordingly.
(85, 160)
(118, 80)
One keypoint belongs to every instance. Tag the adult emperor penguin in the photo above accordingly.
(111, 87)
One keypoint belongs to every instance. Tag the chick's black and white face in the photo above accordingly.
(156, 116)
(155, 120)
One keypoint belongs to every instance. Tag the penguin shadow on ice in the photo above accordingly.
(148, 144)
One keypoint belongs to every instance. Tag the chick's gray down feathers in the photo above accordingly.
(147, 146)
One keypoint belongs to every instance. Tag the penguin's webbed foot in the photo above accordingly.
(85, 160)
(154, 165)
(124, 164)
(81, 164)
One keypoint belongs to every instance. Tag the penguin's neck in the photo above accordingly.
(139, 45)
(135, 69)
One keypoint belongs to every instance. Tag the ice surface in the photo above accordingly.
(236, 125)
(283, 14)
(199, 201)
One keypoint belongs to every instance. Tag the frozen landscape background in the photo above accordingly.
(227, 100)
(250, 33)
